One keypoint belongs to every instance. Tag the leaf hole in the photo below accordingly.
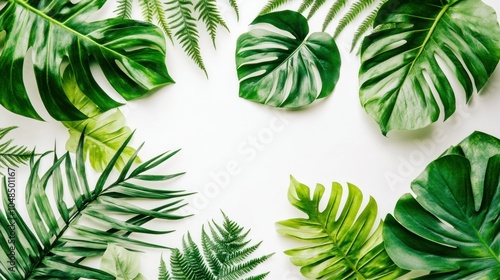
(3, 35)
(253, 75)
(31, 87)
(103, 82)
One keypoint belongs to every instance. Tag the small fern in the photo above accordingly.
(211, 16)
(12, 155)
(333, 11)
(185, 25)
(224, 257)
(176, 19)
(354, 11)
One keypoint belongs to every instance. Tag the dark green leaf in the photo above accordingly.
(288, 71)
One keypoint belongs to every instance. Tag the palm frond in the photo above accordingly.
(304, 5)
(366, 24)
(186, 32)
(224, 255)
(124, 9)
(12, 155)
(315, 7)
(235, 7)
(210, 15)
(48, 251)
(333, 11)
(272, 5)
(356, 8)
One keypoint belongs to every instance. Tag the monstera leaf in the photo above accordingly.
(286, 68)
(440, 229)
(342, 244)
(410, 38)
(130, 53)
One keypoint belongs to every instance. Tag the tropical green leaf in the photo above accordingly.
(409, 39)
(441, 229)
(121, 263)
(12, 155)
(105, 131)
(224, 255)
(282, 70)
(55, 241)
(130, 53)
(342, 244)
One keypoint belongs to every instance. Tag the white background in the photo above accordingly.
(239, 155)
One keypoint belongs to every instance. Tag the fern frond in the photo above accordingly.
(353, 12)
(334, 10)
(12, 155)
(186, 32)
(304, 5)
(272, 5)
(315, 7)
(366, 24)
(210, 15)
(235, 7)
(162, 19)
(47, 251)
(163, 272)
(124, 9)
(224, 257)
(148, 11)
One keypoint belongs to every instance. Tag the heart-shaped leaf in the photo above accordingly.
(130, 53)
(281, 66)
(400, 60)
(440, 230)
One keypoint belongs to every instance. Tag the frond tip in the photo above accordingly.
(224, 254)
(12, 155)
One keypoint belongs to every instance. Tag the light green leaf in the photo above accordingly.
(130, 53)
(105, 131)
(409, 38)
(439, 229)
(286, 69)
(342, 245)
(121, 263)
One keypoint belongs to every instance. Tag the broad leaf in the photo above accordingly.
(440, 230)
(105, 131)
(403, 85)
(130, 53)
(342, 244)
(283, 67)
(121, 263)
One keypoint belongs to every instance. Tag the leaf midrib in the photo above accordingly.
(333, 237)
(63, 26)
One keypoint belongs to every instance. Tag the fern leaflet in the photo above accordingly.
(224, 255)
(353, 12)
(365, 25)
(272, 5)
(124, 9)
(12, 155)
(334, 10)
(305, 4)
(235, 7)
(210, 15)
(315, 7)
(162, 19)
(183, 22)
(147, 10)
